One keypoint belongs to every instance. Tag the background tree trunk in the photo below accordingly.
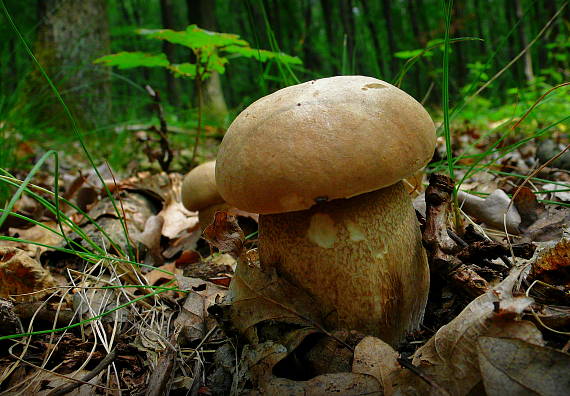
(527, 58)
(172, 84)
(390, 33)
(71, 34)
(201, 13)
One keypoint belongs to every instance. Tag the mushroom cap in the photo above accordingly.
(321, 140)
(199, 188)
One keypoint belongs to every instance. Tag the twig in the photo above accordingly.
(62, 390)
(166, 152)
(162, 374)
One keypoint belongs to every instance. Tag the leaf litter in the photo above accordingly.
(498, 318)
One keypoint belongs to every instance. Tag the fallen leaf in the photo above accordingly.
(158, 276)
(553, 265)
(449, 358)
(39, 234)
(150, 238)
(225, 234)
(193, 318)
(20, 274)
(514, 367)
(374, 357)
(176, 217)
(549, 226)
(563, 196)
(491, 210)
(528, 206)
(256, 296)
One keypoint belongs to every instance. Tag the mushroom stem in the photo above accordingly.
(360, 258)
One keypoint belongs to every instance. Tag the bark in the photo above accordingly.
(311, 58)
(483, 45)
(527, 57)
(460, 70)
(327, 8)
(71, 34)
(172, 83)
(390, 33)
(371, 23)
(201, 13)
(347, 18)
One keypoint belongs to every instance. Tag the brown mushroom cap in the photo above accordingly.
(199, 188)
(322, 140)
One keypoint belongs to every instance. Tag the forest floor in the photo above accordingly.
(118, 288)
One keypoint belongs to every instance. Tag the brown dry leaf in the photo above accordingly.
(156, 276)
(26, 206)
(374, 357)
(150, 238)
(193, 315)
(42, 383)
(528, 206)
(20, 274)
(514, 367)
(492, 210)
(176, 217)
(225, 234)
(37, 234)
(256, 296)
(346, 384)
(449, 358)
(257, 364)
(552, 265)
(549, 226)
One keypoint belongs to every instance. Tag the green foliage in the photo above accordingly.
(128, 60)
(211, 49)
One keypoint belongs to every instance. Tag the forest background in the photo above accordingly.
(491, 76)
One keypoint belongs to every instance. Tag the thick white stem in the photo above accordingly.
(360, 258)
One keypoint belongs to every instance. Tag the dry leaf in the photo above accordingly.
(374, 357)
(514, 367)
(150, 238)
(156, 276)
(345, 384)
(225, 234)
(40, 235)
(256, 296)
(449, 358)
(553, 264)
(563, 196)
(176, 217)
(491, 210)
(193, 315)
(21, 274)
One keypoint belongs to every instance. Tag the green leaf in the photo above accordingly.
(194, 37)
(408, 54)
(262, 55)
(184, 70)
(128, 60)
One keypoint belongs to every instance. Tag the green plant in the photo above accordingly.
(212, 52)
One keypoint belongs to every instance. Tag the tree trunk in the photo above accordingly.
(71, 34)
(172, 84)
(459, 64)
(201, 13)
(371, 23)
(527, 58)
(347, 18)
(390, 33)
(327, 8)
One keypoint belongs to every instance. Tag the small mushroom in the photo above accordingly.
(322, 162)
(200, 193)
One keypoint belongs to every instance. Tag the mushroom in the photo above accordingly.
(322, 162)
(200, 193)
